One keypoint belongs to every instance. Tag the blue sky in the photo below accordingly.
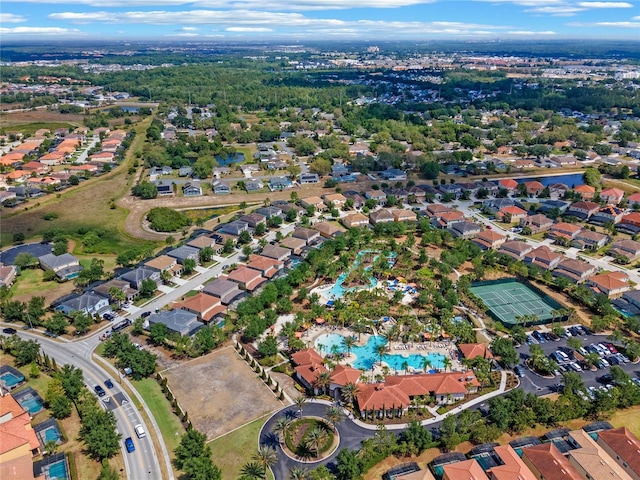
(299, 20)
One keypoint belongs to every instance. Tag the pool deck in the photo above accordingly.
(446, 349)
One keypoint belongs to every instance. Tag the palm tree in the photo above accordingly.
(280, 427)
(348, 343)
(334, 415)
(300, 402)
(405, 366)
(322, 382)
(349, 392)
(266, 457)
(426, 363)
(297, 473)
(381, 350)
(252, 471)
(316, 439)
(446, 363)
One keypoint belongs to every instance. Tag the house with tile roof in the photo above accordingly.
(534, 188)
(629, 249)
(575, 270)
(467, 470)
(435, 209)
(588, 240)
(543, 257)
(447, 219)
(465, 229)
(18, 441)
(612, 284)
(341, 376)
(328, 229)
(536, 223)
(313, 201)
(253, 219)
(511, 466)
(612, 195)
(377, 195)
(296, 245)
(8, 275)
(547, 462)
(268, 267)
(591, 460)
(185, 253)
(587, 192)
(337, 200)
(511, 214)
(632, 200)
(66, 266)
(224, 289)
(205, 241)
(179, 321)
(509, 184)
(489, 239)
(516, 249)
(564, 230)
(473, 350)
(89, 303)
(623, 447)
(163, 263)
(276, 252)
(206, 307)
(583, 209)
(247, 278)
(355, 220)
(307, 234)
(608, 213)
(123, 286)
(630, 223)
(381, 216)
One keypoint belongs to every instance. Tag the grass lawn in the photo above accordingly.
(232, 451)
(31, 128)
(95, 197)
(169, 424)
(29, 283)
(629, 418)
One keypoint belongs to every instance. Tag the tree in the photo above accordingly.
(504, 348)
(25, 260)
(315, 439)
(592, 176)
(148, 288)
(201, 468)
(244, 238)
(188, 266)
(57, 324)
(268, 347)
(192, 444)
(349, 465)
(107, 472)
(36, 309)
(251, 471)
(267, 457)
(60, 246)
(280, 427)
(98, 431)
(56, 399)
(24, 351)
(158, 333)
(81, 322)
(206, 254)
(145, 190)
(430, 170)
(300, 402)
(334, 415)
(72, 381)
(349, 393)
(298, 473)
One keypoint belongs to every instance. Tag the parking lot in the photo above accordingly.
(533, 383)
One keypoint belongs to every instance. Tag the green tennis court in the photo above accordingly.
(512, 302)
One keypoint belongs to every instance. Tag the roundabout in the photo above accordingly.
(309, 439)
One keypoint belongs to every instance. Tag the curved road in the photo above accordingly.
(141, 464)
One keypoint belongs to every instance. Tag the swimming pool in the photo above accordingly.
(31, 403)
(51, 435)
(57, 471)
(10, 380)
(337, 290)
(367, 355)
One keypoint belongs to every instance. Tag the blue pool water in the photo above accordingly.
(51, 435)
(368, 356)
(32, 404)
(570, 179)
(229, 159)
(10, 379)
(57, 471)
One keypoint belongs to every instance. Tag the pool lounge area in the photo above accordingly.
(29, 400)
(48, 431)
(10, 378)
(367, 355)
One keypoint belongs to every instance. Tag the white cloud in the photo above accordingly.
(530, 32)
(37, 31)
(622, 24)
(248, 29)
(188, 29)
(556, 11)
(605, 5)
(636, 19)
(270, 5)
(182, 35)
(11, 18)
(525, 3)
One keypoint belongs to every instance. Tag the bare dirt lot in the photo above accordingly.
(220, 392)
(45, 116)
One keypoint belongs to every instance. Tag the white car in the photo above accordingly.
(140, 431)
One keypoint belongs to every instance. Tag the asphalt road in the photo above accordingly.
(533, 383)
(37, 249)
(141, 464)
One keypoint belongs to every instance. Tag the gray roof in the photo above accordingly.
(183, 252)
(305, 233)
(234, 228)
(466, 227)
(179, 321)
(138, 274)
(224, 289)
(274, 251)
(54, 262)
(269, 212)
(86, 301)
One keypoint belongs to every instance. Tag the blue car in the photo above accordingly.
(129, 444)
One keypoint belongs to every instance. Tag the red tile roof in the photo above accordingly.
(551, 464)
(344, 374)
(625, 444)
(305, 357)
(473, 350)
(467, 470)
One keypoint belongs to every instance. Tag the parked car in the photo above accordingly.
(128, 443)
(9, 331)
(100, 391)
(145, 314)
(519, 371)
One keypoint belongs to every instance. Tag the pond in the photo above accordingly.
(238, 157)
(570, 179)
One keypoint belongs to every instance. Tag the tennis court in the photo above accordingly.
(511, 302)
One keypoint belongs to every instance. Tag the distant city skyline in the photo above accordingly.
(300, 20)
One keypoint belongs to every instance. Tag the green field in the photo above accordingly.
(162, 411)
(31, 128)
(232, 451)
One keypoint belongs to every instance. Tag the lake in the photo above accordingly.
(570, 179)
(229, 159)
